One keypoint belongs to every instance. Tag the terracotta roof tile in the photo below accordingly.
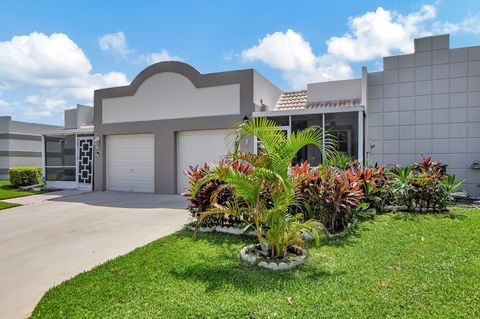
(298, 100)
(292, 100)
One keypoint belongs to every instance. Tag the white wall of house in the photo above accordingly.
(427, 103)
(334, 90)
(265, 93)
(179, 99)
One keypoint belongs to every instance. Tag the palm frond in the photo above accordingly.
(266, 130)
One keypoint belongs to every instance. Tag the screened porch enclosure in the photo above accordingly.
(346, 127)
(68, 161)
(60, 162)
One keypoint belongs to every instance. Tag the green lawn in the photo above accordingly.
(397, 265)
(6, 191)
(4, 205)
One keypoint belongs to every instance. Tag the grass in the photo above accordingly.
(7, 191)
(5, 205)
(397, 265)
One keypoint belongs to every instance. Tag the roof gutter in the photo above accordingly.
(309, 111)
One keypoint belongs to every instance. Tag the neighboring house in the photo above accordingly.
(171, 116)
(20, 144)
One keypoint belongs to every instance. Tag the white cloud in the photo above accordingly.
(39, 59)
(379, 33)
(4, 104)
(229, 55)
(285, 51)
(43, 105)
(161, 56)
(94, 81)
(371, 35)
(116, 44)
(470, 24)
(294, 57)
(49, 61)
(55, 67)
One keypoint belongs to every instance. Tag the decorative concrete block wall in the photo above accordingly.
(427, 103)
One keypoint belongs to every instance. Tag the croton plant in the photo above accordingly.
(280, 201)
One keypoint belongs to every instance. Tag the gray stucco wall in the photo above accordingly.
(21, 143)
(165, 130)
(70, 118)
(75, 118)
(427, 103)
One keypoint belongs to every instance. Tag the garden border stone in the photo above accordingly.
(252, 260)
(225, 230)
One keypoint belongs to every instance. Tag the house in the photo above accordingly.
(172, 116)
(20, 144)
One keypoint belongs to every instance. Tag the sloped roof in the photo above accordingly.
(298, 100)
(292, 100)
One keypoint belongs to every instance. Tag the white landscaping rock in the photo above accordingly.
(202, 229)
(229, 230)
(224, 230)
(282, 266)
(250, 259)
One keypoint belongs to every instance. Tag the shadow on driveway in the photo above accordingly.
(128, 200)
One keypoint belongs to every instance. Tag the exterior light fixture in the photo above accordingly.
(96, 141)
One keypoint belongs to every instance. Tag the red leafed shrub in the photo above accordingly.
(202, 200)
(376, 186)
(299, 170)
(242, 167)
(212, 192)
(331, 196)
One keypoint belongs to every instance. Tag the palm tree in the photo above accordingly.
(276, 228)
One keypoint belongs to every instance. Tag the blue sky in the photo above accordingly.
(53, 54)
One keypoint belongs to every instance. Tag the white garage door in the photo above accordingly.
(130, 163)
(196, 148)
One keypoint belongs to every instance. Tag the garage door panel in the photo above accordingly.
(138, 186)
(199, 147)
(124, 160)
(130, 163)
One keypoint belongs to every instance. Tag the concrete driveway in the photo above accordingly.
(46, 243)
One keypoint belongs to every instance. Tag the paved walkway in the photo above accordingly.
(33, 199)
(46, 243)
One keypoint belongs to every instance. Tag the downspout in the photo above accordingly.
(364, 114)
(44, 161)
(323, 137)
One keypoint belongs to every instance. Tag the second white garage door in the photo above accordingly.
(196, 148)
(130, 163)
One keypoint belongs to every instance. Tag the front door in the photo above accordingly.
(85, 162)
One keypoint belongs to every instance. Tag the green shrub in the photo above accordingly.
(25, 175)
(339, 160)
(424, 185)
